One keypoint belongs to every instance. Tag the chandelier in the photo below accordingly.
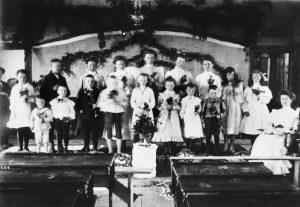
(137, 17)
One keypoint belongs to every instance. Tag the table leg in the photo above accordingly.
(297, 173)
(130, 188)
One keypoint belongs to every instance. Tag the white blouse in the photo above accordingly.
(177, 73)
(62, 108)
(140, 96)
(202, 83)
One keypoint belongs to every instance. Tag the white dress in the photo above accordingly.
(257, 107)
(192, 121)
(268, 144)
(168, 126)
(138, 99)
(203, 85)
(234, 103)
(19, 106)
(177, 73)
(127, 88)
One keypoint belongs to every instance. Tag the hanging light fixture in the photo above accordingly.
(137, 17)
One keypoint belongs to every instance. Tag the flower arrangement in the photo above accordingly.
(256, 91)
(169, 103)
(144, 126)
(197, 107)
(113, 93)
(211, 81)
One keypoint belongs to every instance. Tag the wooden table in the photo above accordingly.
(229, 169)
(233, 187)
(42, 187)
(102, 165)
(267, 200)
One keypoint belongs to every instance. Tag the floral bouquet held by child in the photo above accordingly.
(169, 106)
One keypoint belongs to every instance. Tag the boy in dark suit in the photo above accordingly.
(86, 105)
(48, 90)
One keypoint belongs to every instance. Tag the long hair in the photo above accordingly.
(236, 79)
(261, 81)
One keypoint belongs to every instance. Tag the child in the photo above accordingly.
(190, 109)
(86, 106)
(113, 101)
(63, 112)
(20, 107)
(40, 120)
(257, 96)
(213, 110)
(233, 97)
(142, 100)
(168, 126)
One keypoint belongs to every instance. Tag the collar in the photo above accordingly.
(169, 93)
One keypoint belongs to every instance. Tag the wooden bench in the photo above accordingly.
(130, 171)
(102, 165)
(42, 187)
(216, 169)
(244, 183)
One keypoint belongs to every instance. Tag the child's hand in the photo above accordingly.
(203, 124)
(176, 107)
(31, 128)
(246, 113)
(218, 116)
(169, 107)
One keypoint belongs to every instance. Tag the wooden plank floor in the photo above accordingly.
(147, 196)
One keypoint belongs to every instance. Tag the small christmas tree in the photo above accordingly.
(144, 126)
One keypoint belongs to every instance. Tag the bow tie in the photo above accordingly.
(61, 100)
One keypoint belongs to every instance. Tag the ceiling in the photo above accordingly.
(30, 22)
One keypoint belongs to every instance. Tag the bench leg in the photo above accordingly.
(130, 188)
(297, 173)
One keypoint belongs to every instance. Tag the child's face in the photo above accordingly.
(230, 76)
(89, 82)
(40, 103)
(285, 100)
(62, 91)
(142, 80)
(149, 58)
(120, 65)
(213, 93)
(92, 65)
(22, 78)
(256, 77)
(169, 85)
(55, 67)
(180, 62)
(190, 91)
(207, 65)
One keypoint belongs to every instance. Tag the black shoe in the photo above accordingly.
(60, 149)
(26, 149)
(20, 149)
(66, 150)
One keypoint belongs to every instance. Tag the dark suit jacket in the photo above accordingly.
(48, 82)
(4, 102)
(85, 103)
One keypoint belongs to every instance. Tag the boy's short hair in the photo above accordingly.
(89, 76)
(208, 58)
(149, 51)
(22, 71)
(40, 97)
(91, 59)
(191, 85)
(62, 85)
(170, 79)
(2, 70)
(119, 58)
(213, 87)
(55, 60)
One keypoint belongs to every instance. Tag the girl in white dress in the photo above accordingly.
(142, 100)
(126, 83)
(20, 106)
(190, 109)
(168, 126)
(233, 97)
(272, 141)
(257, 97)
